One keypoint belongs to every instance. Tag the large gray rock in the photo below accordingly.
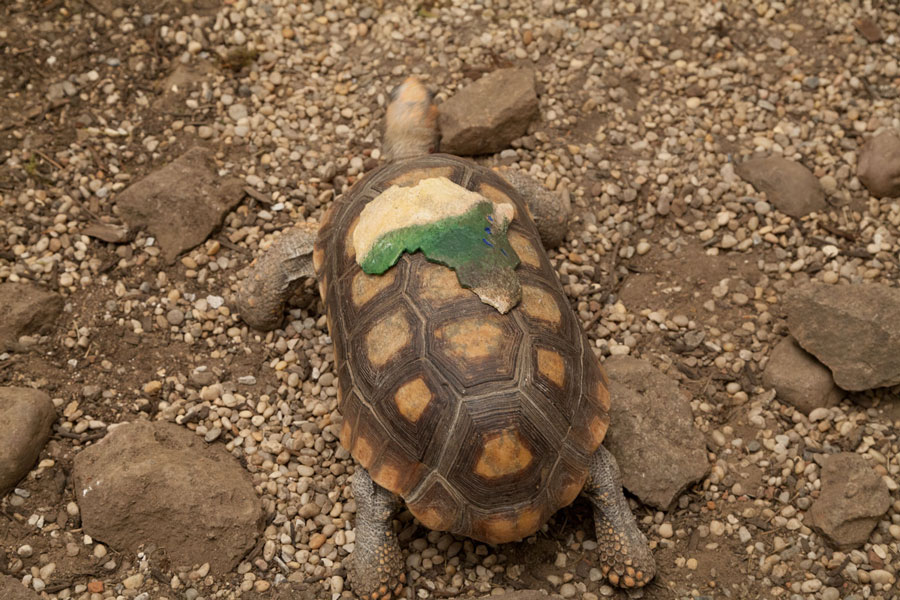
(157, 483)
(651, 433)
(490, 113)
(879, 165)
(26, 417)
(182, 203)
(12, 589)
(789, 186)
(852, 329)
(852, 500)
(799, 379)
(27, 309)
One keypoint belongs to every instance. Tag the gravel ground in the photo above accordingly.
(645, 108)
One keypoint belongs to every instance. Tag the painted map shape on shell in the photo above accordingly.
(452, 226)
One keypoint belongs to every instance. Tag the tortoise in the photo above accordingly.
(484, 421)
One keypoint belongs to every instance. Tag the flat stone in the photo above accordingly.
(789, 186)
(108, 232)
(869, 29)
(652, 433)
(852, 501)
(489, 114)
(26, 417)
(799, 379)
(852, 329)
(12, 589)
(159, 484)
(27, 309)
(879, 165)
(182, 203)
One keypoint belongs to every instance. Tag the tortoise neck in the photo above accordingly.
(407, 147)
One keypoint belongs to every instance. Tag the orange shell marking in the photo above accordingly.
(504, 453)
(551, 365)
(439, 285)
(539, 304)
(527, 254)
(386, 338)
(412, 398)
(365, 286)
(472, 339)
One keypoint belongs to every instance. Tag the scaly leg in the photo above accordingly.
(549, 210)
(626, 558)
(376, 567)
(263, 292)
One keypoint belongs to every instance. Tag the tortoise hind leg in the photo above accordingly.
(376, 567)
(627, 560)
(549, 210)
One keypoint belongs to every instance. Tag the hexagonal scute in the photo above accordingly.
(417, 411)
(475, 348)
(505, 458)
(544, 311)
(384, 343)
(360, 293)
(526, 248)
(433, 288)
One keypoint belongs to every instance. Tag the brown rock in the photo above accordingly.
(26, 417)
(799, 379)
(182, 203)
(852, 329)
(879, 165)
(12, 589)
(157, 483)
(108, 232)
(789, 186)
(853, 499)
(652, 433)
(27, 309)
(490, 113)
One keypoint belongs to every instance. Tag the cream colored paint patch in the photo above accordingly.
(429, 201)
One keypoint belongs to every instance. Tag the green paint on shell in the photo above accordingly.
(473, 244)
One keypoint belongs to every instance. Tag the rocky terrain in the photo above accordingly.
(733, 254)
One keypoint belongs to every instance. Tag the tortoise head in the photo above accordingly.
(411, 128)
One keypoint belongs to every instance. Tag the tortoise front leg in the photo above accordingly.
(626, 558)
(376, 567)
(267, 285)
(549, 210)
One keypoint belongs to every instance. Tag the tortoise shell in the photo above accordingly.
(482, 422)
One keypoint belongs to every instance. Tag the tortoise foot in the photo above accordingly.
(376, 569)
(374, 582)
(626, 558)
